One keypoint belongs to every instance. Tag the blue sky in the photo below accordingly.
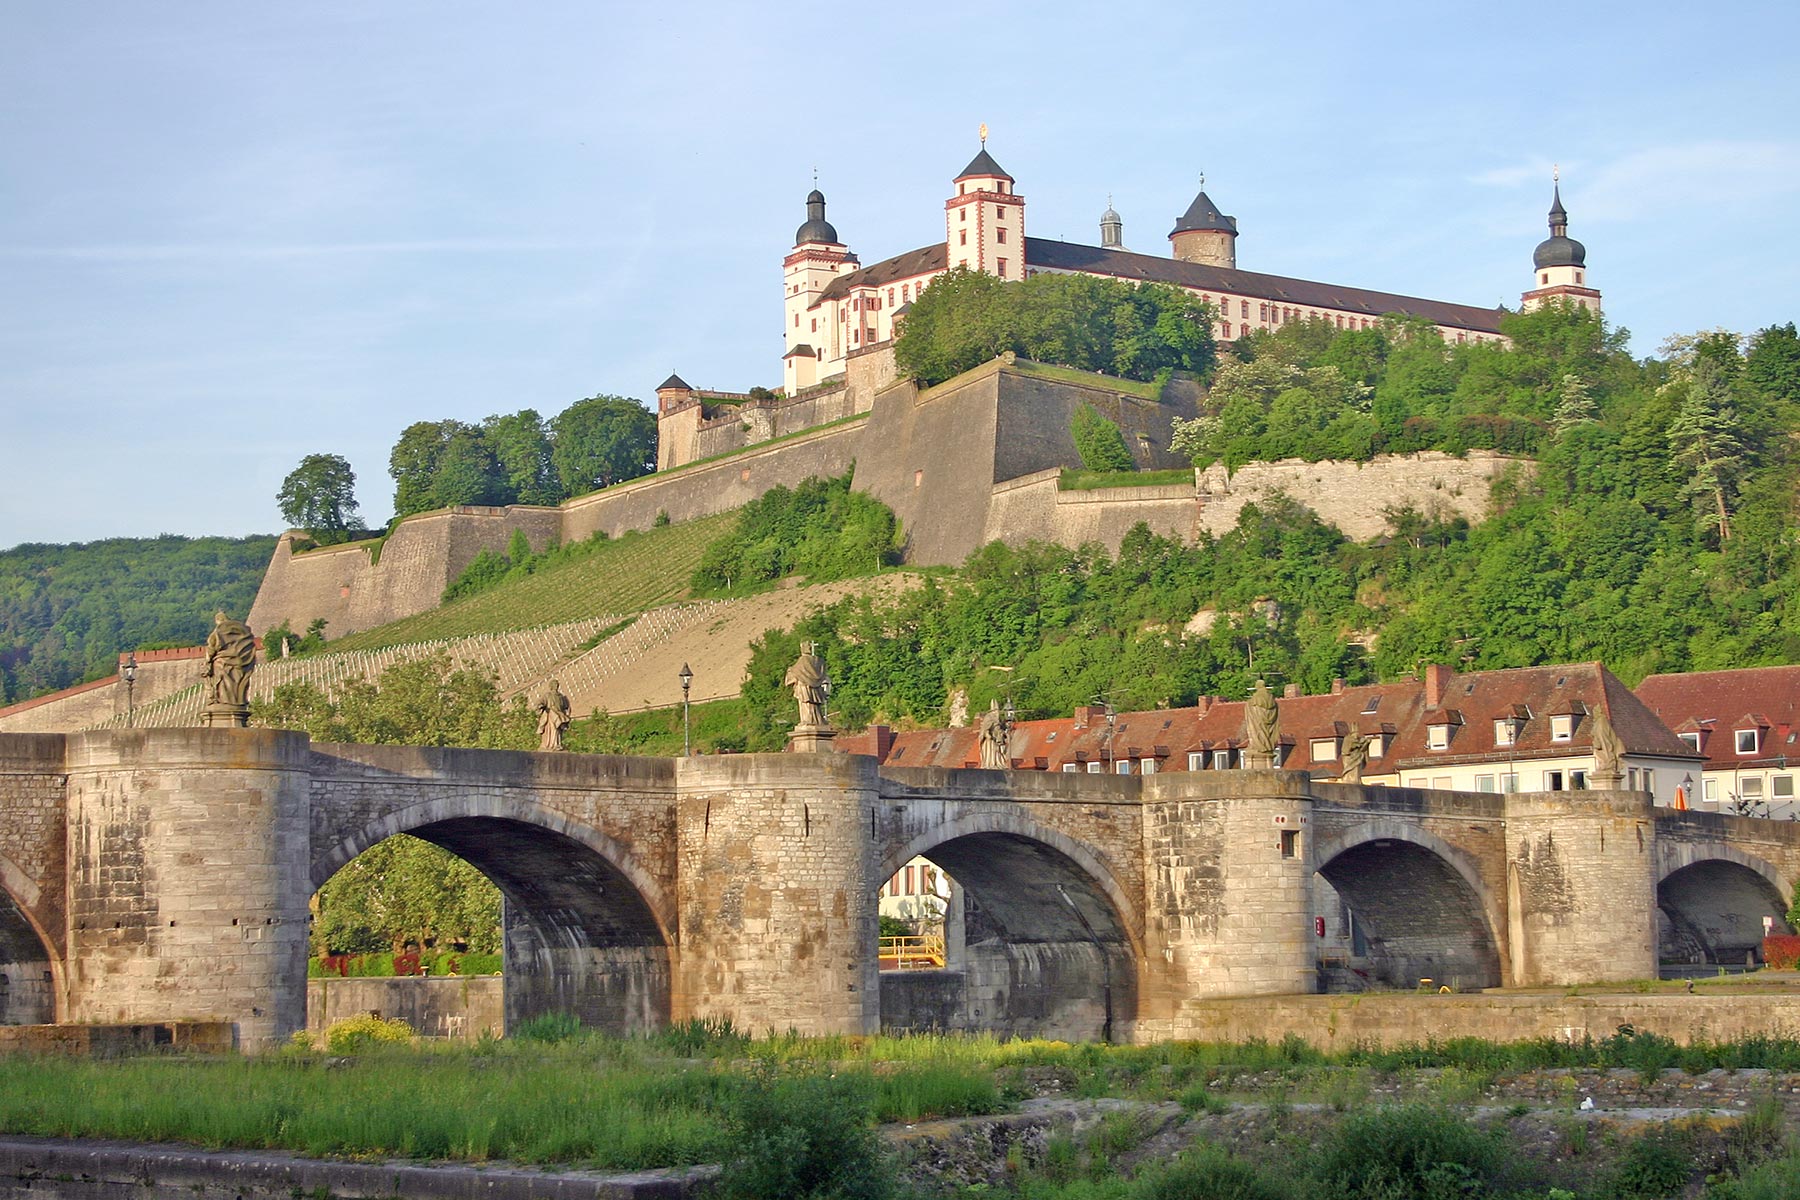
(235, 234)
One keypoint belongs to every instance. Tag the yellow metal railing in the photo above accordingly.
(920, 952)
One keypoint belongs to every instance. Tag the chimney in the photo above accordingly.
(1337, 686)
(1290, 691)
(1437, 681)
(1087, 714)
(884, 741)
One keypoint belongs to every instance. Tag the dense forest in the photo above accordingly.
(66, 612)
(1656, 532)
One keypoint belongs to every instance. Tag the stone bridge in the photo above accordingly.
(154, 875)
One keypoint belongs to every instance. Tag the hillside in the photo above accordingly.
(66, 612)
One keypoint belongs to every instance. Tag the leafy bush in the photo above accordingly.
(1098, 441)
(1781, 951)
(821, 529)
(805, 1136)
(549, 1028)
(357, 1035)
(966, 318)
(1653, 1165)
(1413, 1152)
(1209, 1173)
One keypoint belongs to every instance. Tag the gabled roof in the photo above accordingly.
(1721, 701)
(923, 261)
(984, 164)
(1124, 264)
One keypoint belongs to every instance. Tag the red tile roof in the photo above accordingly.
(1717, 703)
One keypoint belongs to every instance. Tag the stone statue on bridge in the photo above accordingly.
(1356, 756)
(1609, 751)
(230, 657)
(994, 734)
(553, 714)
(1262, 728)
(812, 688)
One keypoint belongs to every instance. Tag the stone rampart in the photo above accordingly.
(447, 1006)
(1034, 508)
(1356, 497)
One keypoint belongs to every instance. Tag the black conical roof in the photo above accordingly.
(1204, 214)
(676, 382)
(984, 164)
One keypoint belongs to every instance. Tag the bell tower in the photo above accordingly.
(816, 259)
(1560, 261)
(984, 220)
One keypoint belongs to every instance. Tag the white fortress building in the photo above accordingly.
(836, 308)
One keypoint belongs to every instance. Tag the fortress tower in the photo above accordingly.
(817, 259)
(984, 222)
(1205, 235)
(1561, 262)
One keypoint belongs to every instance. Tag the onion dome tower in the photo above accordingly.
(1112, 230)
(1205, 235)
(1560, 261)
(818, 257)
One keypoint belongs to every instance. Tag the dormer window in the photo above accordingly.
(1377, 743)
(1437, 737)
(1693, 741)
(1324, 749)
(1503, 731)
(1747, 740)
(1562, 729)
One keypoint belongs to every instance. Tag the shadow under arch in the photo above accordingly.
(1417, 909)
(1711, 900)
(1039, 942)
(581, 935)
(31, 981)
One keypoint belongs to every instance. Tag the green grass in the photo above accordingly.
(625, 575)
(1112, 383)
(1087, 481)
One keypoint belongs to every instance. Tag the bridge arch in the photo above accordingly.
(588, 930)
(1042, 940)
(31, 971)
(1419, 907)
(1711, 898)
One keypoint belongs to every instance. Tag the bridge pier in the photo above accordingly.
(1229, 879)
(1581, 887)
(187, 878)
(777, 892)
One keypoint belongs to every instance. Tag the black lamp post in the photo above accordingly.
(687, 729)
(129, 672)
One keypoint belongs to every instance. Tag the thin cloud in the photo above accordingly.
(153, 252)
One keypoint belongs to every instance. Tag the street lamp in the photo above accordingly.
(687, 728)
(129, 671)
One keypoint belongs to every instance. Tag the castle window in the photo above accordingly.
(999, 212)
(796, 320)
(815, 324)
(962, 214)
(1262, 312)
(962, 239)
(904, 288)
(1244, 309)
(1003, 268)
(890, 297)
(1544, 277)
(1000, 236)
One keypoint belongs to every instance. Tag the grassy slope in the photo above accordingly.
(627, 575)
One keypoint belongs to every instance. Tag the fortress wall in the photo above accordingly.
(1354, 496)
(759, 423)
(709, 488)
(351, 589)
(1033, 509)
(1035, 414)
(72, 708)
(931, 460)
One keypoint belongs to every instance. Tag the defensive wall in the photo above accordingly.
(972, 460)
(163, 876)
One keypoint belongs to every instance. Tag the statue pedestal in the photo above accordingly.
(812, 739)
(1612, 781)
(233, 716)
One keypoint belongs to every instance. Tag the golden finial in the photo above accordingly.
(1555, 173)
(983, 135)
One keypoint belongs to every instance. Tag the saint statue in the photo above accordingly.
(553, 715)
(994, 733)
(1608, 750)
(1262, 728)
(230, 657)
(1356, 756)
(811, 687)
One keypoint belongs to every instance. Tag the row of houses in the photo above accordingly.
(1713, 740)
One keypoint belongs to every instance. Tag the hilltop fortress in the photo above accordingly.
(975, 459)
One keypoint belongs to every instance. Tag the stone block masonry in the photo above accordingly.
(642, 891)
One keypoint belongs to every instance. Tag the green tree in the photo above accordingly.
(1574, 406)
(413, 464)
(1098, 441)
(520, 443)
(319, 496)
(1705, 440)
(466, 471)
(601, 441)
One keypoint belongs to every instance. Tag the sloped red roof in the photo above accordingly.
(1715, 703)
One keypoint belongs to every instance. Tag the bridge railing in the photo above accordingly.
(913, 952)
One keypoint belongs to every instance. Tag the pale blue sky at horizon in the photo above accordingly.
(232, 235)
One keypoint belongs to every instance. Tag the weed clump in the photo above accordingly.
(1409, 1152)
(806, 1135)
(358, 1035)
